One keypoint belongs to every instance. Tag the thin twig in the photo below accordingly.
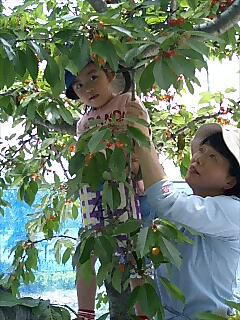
(53, 237)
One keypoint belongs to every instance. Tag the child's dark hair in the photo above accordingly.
(121, 69)
(217, 142)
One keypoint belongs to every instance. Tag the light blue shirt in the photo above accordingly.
(208, 274)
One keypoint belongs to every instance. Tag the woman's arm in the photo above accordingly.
(152, 170)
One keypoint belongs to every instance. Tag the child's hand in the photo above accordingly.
(135, 110)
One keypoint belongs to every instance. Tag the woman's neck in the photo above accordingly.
(207, 193)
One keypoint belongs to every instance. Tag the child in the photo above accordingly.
(208, 274)
(93, 86)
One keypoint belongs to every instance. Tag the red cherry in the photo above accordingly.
(169, 54)
(172, 22)
(119, 145)
(222, 7)
(89, 158)
(109, 145)
(180, 21)
(53, 218)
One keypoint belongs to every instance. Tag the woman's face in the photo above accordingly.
(208, 174)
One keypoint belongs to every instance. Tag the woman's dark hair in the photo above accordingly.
(217, 142)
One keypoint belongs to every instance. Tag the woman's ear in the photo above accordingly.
(230, 182)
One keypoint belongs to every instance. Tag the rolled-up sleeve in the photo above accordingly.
(216, 216)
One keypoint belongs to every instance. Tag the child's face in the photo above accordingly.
(93, 86)
(208, 174)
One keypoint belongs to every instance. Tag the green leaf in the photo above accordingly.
(122, 30)
(192, 3)
(74, 212)
(1, 211)
(7, 300)
(160, 70)
(102, 163)
(117, 280)
(47, 142)
(133, 120)
(88, 247)
(104, 316)
(39, 50)
(127, 227)
(104, 252)
(182, 65)
(106, 50)
(230, 90)
(91, 174)
(66, 115)
(76, 163)
(29, 302)
(6, 68)
(79, 55)
(96, 139)
(198, 46)
(117, 162)
(141, 241)
(20, 62)
(111, 196)
(66, 256)
(31, 109)
(135, 52)
(134, 296)
(147, 78)
(147, 298)
(189, 86)
(172, 289)
(31, 64)
(8, 49)
(154, 305)
(30, 192)
(206, 97)
(103, 272)
(170, 252)
(31, 262)
(233, 304)
(178, 120)
(51, 72)
(57, 249)
(191, 54)
(138, 137)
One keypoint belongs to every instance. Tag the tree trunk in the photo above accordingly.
(118, 302)
(16, 313)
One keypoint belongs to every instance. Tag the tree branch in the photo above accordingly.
(49, 239)
(224, 22)
(220, 25)
(63, 128)
(174, 7)
(196, 120)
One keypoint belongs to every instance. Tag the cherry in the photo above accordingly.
(155, 251)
